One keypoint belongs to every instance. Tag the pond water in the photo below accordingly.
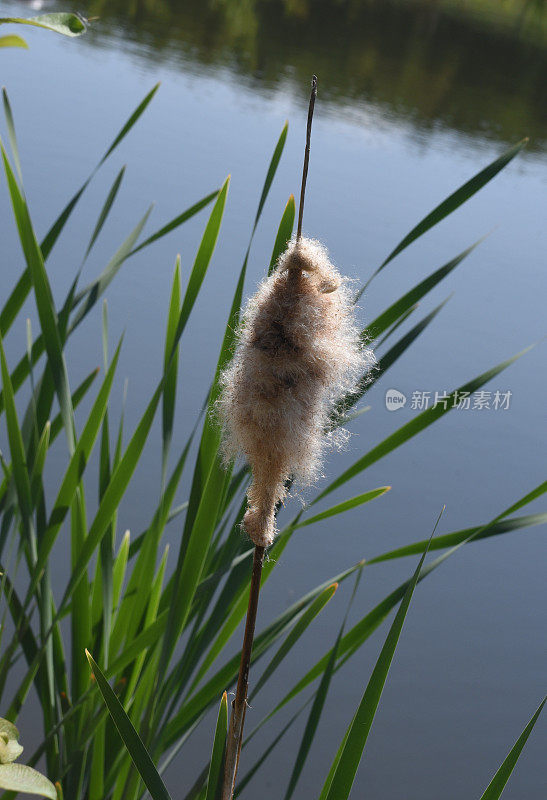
(414, 98)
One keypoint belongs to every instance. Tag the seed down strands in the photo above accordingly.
(298, 352)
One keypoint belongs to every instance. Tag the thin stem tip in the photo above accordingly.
(313, 95)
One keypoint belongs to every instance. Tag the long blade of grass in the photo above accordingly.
(394, 352)
(353, 745)
(452, 539)
(305, 620)
(105, 211)
(391, 330)
(140, 581)
(119, 568)
(130, 737)
(150, 617)
(284, 233)
(194, 560)
(313, 719)
(74, 472)
(80, 617)
(170, 366)
(178, 220)
(130, 122)
(196, 536)
(203, 258)
(265, 755)
(91, 293)
(44, 301)
(11, 133)
(42, 448)
(113, 494)
(347, 505)
(334, 766)
(272, 169)
(401, 306)
(19, 464)
(455, 200)
(214, 779)
(497, 784)
(77, 397)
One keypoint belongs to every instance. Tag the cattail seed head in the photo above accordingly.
(298, 352)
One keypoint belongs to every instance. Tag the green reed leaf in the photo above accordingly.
(272, 169)
(314, 717)
(17, 450)
(105, 210)
(284, 233)
(44, 301)
(177, 221)
(74, 471)
(11, 131)
(130, 737)
(77, 397)
(498, 782)
(130, 122)
(113, 494)
(203, 259)
(452, 539)
(89, 296)
(347, 505)
(354, 743)
(170, 366)
(409, 299)
(455, 200)
(305, 620)
(216, 767)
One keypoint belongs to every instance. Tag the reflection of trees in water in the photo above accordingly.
(422, 60)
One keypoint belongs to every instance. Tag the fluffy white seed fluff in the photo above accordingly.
(298, 352)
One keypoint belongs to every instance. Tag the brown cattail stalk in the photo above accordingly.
(239, 705)
(298, 352)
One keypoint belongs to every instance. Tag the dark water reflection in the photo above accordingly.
(479, 74)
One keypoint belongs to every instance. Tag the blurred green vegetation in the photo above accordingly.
(477, 66)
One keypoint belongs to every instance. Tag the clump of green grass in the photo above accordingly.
(125, 603)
